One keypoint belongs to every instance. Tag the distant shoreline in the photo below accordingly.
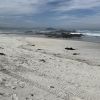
(94, 39)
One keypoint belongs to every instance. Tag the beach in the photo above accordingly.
(38, 68)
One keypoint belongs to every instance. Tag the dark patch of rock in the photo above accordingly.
(67, 48)
(33, 45)
(32, 95)
(1, 48)
(39, 49)
(76, 53)
(2, 54)
(42, 60)
(51, 86)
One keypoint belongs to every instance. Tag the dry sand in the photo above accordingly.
(34, 68)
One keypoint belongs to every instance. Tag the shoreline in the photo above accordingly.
(92, 39)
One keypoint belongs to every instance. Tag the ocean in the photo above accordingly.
(89, 35)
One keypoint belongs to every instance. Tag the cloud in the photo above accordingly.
(19, 7)
(77, 4)
(50, 12)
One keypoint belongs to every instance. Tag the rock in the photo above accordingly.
(27, 98)
(14, 87)
(76, 53)
(1, 94)
(32, 95)
(42, 60)
(2, 54)
(51, 86)
(1, 48)
(39, 49)
(67, 48)
(33, 45)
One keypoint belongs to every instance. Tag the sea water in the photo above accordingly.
(88, 35)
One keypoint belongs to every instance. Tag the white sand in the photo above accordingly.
(47, 71)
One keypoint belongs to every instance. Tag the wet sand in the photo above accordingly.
(33, 68)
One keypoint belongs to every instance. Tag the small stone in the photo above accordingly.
(14, 87)
(67, 48)
(2, 54)
(33, 45)
(27, 98)
(1, 94)
(75, 53)
(39, 49)
(42, 60)
(32, 95)
(51, 86)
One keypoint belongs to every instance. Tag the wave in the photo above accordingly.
(90, 33)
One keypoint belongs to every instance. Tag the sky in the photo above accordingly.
(75, 14)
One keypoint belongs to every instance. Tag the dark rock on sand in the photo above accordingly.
(51, 86)
(42, 60)
(2, 54)
(67, 48)
(32, 95)
(33, 45)
(1, 48)
(76, 53)
(39, 49)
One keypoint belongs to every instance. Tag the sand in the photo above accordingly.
(33, 68)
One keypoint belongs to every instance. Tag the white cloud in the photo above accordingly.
(19, 8)
(11, 7)
(77, 4)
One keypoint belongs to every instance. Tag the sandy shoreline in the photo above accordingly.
(33, 68)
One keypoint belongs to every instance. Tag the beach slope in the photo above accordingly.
(33, 68)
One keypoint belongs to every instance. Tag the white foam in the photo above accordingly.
(75, 33)
(91, 34)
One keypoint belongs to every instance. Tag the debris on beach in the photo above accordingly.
(26, 98)
(51, 86)
(2, 54)
(67, 48)
(1, 94)
(42, 60)
(76, 53)
(32, 94)
(39, 49)
(33, 45)
(1, 48)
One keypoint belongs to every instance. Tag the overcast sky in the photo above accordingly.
(41, 13)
